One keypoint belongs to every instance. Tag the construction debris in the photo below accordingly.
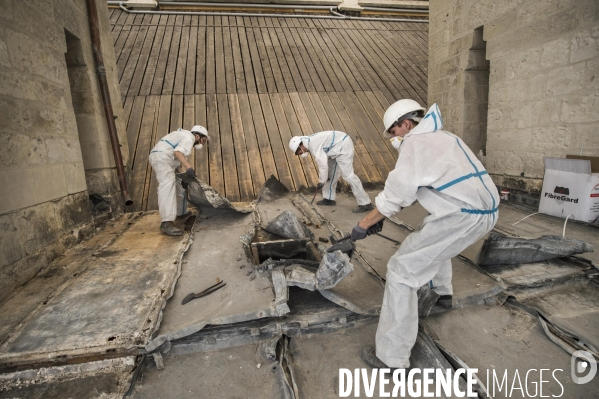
(426, 300)
(501, 250)
(288, 225)
(202, 195)
(333, 268)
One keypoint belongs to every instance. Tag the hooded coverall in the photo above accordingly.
(171, 201)
(436, 168)
(333, 152)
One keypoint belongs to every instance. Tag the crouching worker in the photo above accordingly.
(333, 152)
(166, 156)
(436, 168)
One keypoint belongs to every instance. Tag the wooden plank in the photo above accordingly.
(380, 155)
(176, 112)
(116, 31)
(247, 70)
(134, 123)
(392, 82)
(160, 70)
(140, 167)
(265, 66)
(189, 122)
(282, 58)
(306, 130)
(360, 145)
(202, 165)
(123, 35)
(268, 160)
(219, 56)
(287, 54)
(356, 73)
(231, 181)
(190, 69)
(150, 71)
(180, 70)
(330, 121)
(341, 77)
(327, 62)
(251, 143)
(295, 129)
(237, 59)
(143, 61)
(273, 61)
(311, 113)
(276, 144)
(125, 53)
(161, 129)
(134, 59)
(284, 130)
(230, 78)
(216, 161)
(246, 188)
(312, 53)
(210, 60)
(375, 113)
(255, 57)
(171, 66)
(202, 55)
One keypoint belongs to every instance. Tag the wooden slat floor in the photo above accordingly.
(255, 82)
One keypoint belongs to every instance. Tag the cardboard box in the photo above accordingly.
(570, 188)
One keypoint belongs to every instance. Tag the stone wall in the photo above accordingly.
(54, 143)
(518, 80)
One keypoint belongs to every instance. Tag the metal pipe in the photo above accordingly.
(243, 5)
(101, 72)
(402, 10)
(224, 14)
(335, 15)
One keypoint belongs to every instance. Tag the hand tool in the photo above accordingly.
(207, 291)
(315, 192)
(388, 238)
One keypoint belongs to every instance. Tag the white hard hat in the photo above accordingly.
(201, 130)
(397, 110)
(294, 143)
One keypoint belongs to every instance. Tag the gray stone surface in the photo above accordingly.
(41, 157)
(542, 97)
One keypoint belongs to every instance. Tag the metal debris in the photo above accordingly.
(333, 268)
(426, 300)
(288, 225)
(501, 250)
(272, 189)
(345, 245)
(201, 194)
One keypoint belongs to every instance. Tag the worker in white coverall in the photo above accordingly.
(166, 156)
(437, 169)
(333, 152)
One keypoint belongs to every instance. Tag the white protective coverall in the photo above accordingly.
(436, 168)
(333, 152)
(171, 200)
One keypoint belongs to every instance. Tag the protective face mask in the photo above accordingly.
(198, 146)
(396, 141)
(304, 155)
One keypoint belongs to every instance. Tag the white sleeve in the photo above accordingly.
(403, 181)
(323, 166)
(184, 146)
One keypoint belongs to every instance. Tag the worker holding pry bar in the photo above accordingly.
(166, 156)
(333, 152)
(436, 168)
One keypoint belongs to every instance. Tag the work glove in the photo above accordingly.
(375, 228)
(358, 233)
(319, 186)
(190, 172)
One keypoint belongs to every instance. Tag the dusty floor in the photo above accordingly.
(250, 339)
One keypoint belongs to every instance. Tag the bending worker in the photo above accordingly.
(436, 168)
(333, 152)
(167, 155)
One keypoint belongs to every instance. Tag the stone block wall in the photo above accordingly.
(54, 143)
(539, 94)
